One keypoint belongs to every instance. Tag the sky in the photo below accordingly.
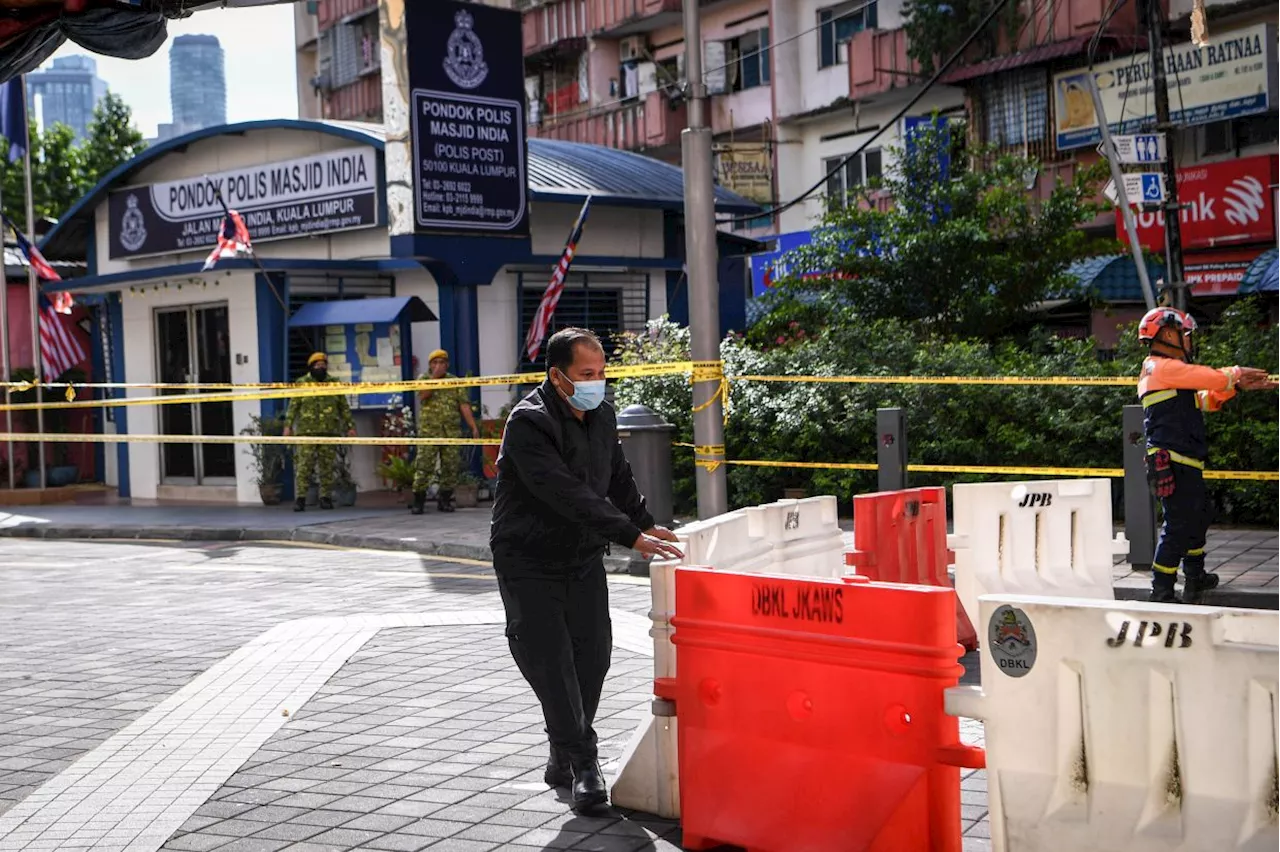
(260, 66)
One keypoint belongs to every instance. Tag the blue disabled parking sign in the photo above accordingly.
(1151, 188)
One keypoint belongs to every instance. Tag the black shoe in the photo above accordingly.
(326, 503)
(1195, 587)
(300, 505)
(445, 501)
(419, 501)
(1164, 595)
(589, 790)
(559, 773)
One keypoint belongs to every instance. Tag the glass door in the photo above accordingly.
(193, 345)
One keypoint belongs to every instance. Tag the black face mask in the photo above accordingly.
(319, 373)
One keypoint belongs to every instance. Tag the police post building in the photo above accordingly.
(374, 269)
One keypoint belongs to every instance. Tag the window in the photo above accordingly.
(606, 303)
(749, 60)
(859, 171)
(1014, 109)
(838, 24)
(1229, 137)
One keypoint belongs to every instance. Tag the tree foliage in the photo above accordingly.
(1023, 425)
(960, 253)
(935, 29)
(62, 171)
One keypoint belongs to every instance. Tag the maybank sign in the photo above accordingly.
(1234, 75)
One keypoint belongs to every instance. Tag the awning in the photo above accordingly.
(1041, 54)
(1112, 277)
(352, 311)
(1263, 275)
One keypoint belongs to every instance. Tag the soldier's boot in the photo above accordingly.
(419, 502)
(326, 503)
(445, 501)
(300, 505)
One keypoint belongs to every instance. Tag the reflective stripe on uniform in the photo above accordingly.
(1179, 458)
(1199, 551)
(1163, 570)
(1158, 396)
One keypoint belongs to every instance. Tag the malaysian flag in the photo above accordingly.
(60, 346)
(233, 241)
(62, 301)
(547, 307)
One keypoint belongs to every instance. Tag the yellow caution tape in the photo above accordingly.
(1085, 381)
(296, 391)
(712, 371)
(996, 470)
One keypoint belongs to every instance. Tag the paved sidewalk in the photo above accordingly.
(1246, 559)
(253, 698)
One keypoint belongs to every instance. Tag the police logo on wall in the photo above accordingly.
(133, 226)
(465, 63)
(1012, 640)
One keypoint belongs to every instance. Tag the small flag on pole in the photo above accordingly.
(233, 241)
(44, 270)
(60, 346)
(550, 298)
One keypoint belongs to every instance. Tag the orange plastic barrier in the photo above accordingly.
(901, 537)
(811, 714)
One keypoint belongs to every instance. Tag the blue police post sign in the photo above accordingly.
(466, 82)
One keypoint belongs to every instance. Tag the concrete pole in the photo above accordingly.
(4, 368)
(33, 285)
(1172, 209)
(704, 289)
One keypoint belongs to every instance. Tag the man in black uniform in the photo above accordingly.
(565, 492)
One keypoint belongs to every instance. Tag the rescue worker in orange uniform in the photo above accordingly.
(1174, 394)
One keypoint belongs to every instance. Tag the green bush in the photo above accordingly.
(1068, 426)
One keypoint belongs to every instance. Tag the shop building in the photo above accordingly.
(313, 195)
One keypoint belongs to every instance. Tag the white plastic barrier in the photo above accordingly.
(1127, 727)
(797, 537)
(805, 534)
(1052, 537)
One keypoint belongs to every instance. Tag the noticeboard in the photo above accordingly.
(365, 352)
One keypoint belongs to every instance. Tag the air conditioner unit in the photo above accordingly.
(631, 49)
(322, 82)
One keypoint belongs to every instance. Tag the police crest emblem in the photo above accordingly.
(133, 226)
(464, 62)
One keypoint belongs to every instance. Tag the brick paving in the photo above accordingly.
(423, 737)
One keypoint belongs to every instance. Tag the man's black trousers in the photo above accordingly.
(1186, 526)
(561, 637)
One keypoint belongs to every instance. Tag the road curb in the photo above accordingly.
(1222, 596)
(614, 563)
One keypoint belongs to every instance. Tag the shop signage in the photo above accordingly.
(1217, 273)
(319, 194)
(1234, 75)
(466, 80)
(746, 169)
(1226, 204)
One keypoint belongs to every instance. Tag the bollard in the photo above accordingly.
(1139, 505)
(891, 449)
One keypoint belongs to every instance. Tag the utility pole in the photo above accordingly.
(1172, 209)
(704, 289)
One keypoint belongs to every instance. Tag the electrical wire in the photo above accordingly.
(932, 81)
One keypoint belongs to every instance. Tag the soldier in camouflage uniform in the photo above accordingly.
(438, 412)
(327, 416)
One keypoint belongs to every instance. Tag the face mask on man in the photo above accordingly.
(586, 396)
(319, 373)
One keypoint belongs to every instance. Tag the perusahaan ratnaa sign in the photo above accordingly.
(1234, 75)
(319, 194)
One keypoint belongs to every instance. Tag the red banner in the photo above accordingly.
(1218, 273)
(1225, 204)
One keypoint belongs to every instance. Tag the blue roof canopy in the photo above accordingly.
(1111, 278)
(352, 311)
(1263, 275)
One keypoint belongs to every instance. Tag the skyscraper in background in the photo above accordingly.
(197, 83)
(66, 93)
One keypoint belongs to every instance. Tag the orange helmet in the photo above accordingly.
(1158, 318)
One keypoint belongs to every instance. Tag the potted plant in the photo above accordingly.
(397, 472)
(466, 494)
(268, 459)
(344, 485)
